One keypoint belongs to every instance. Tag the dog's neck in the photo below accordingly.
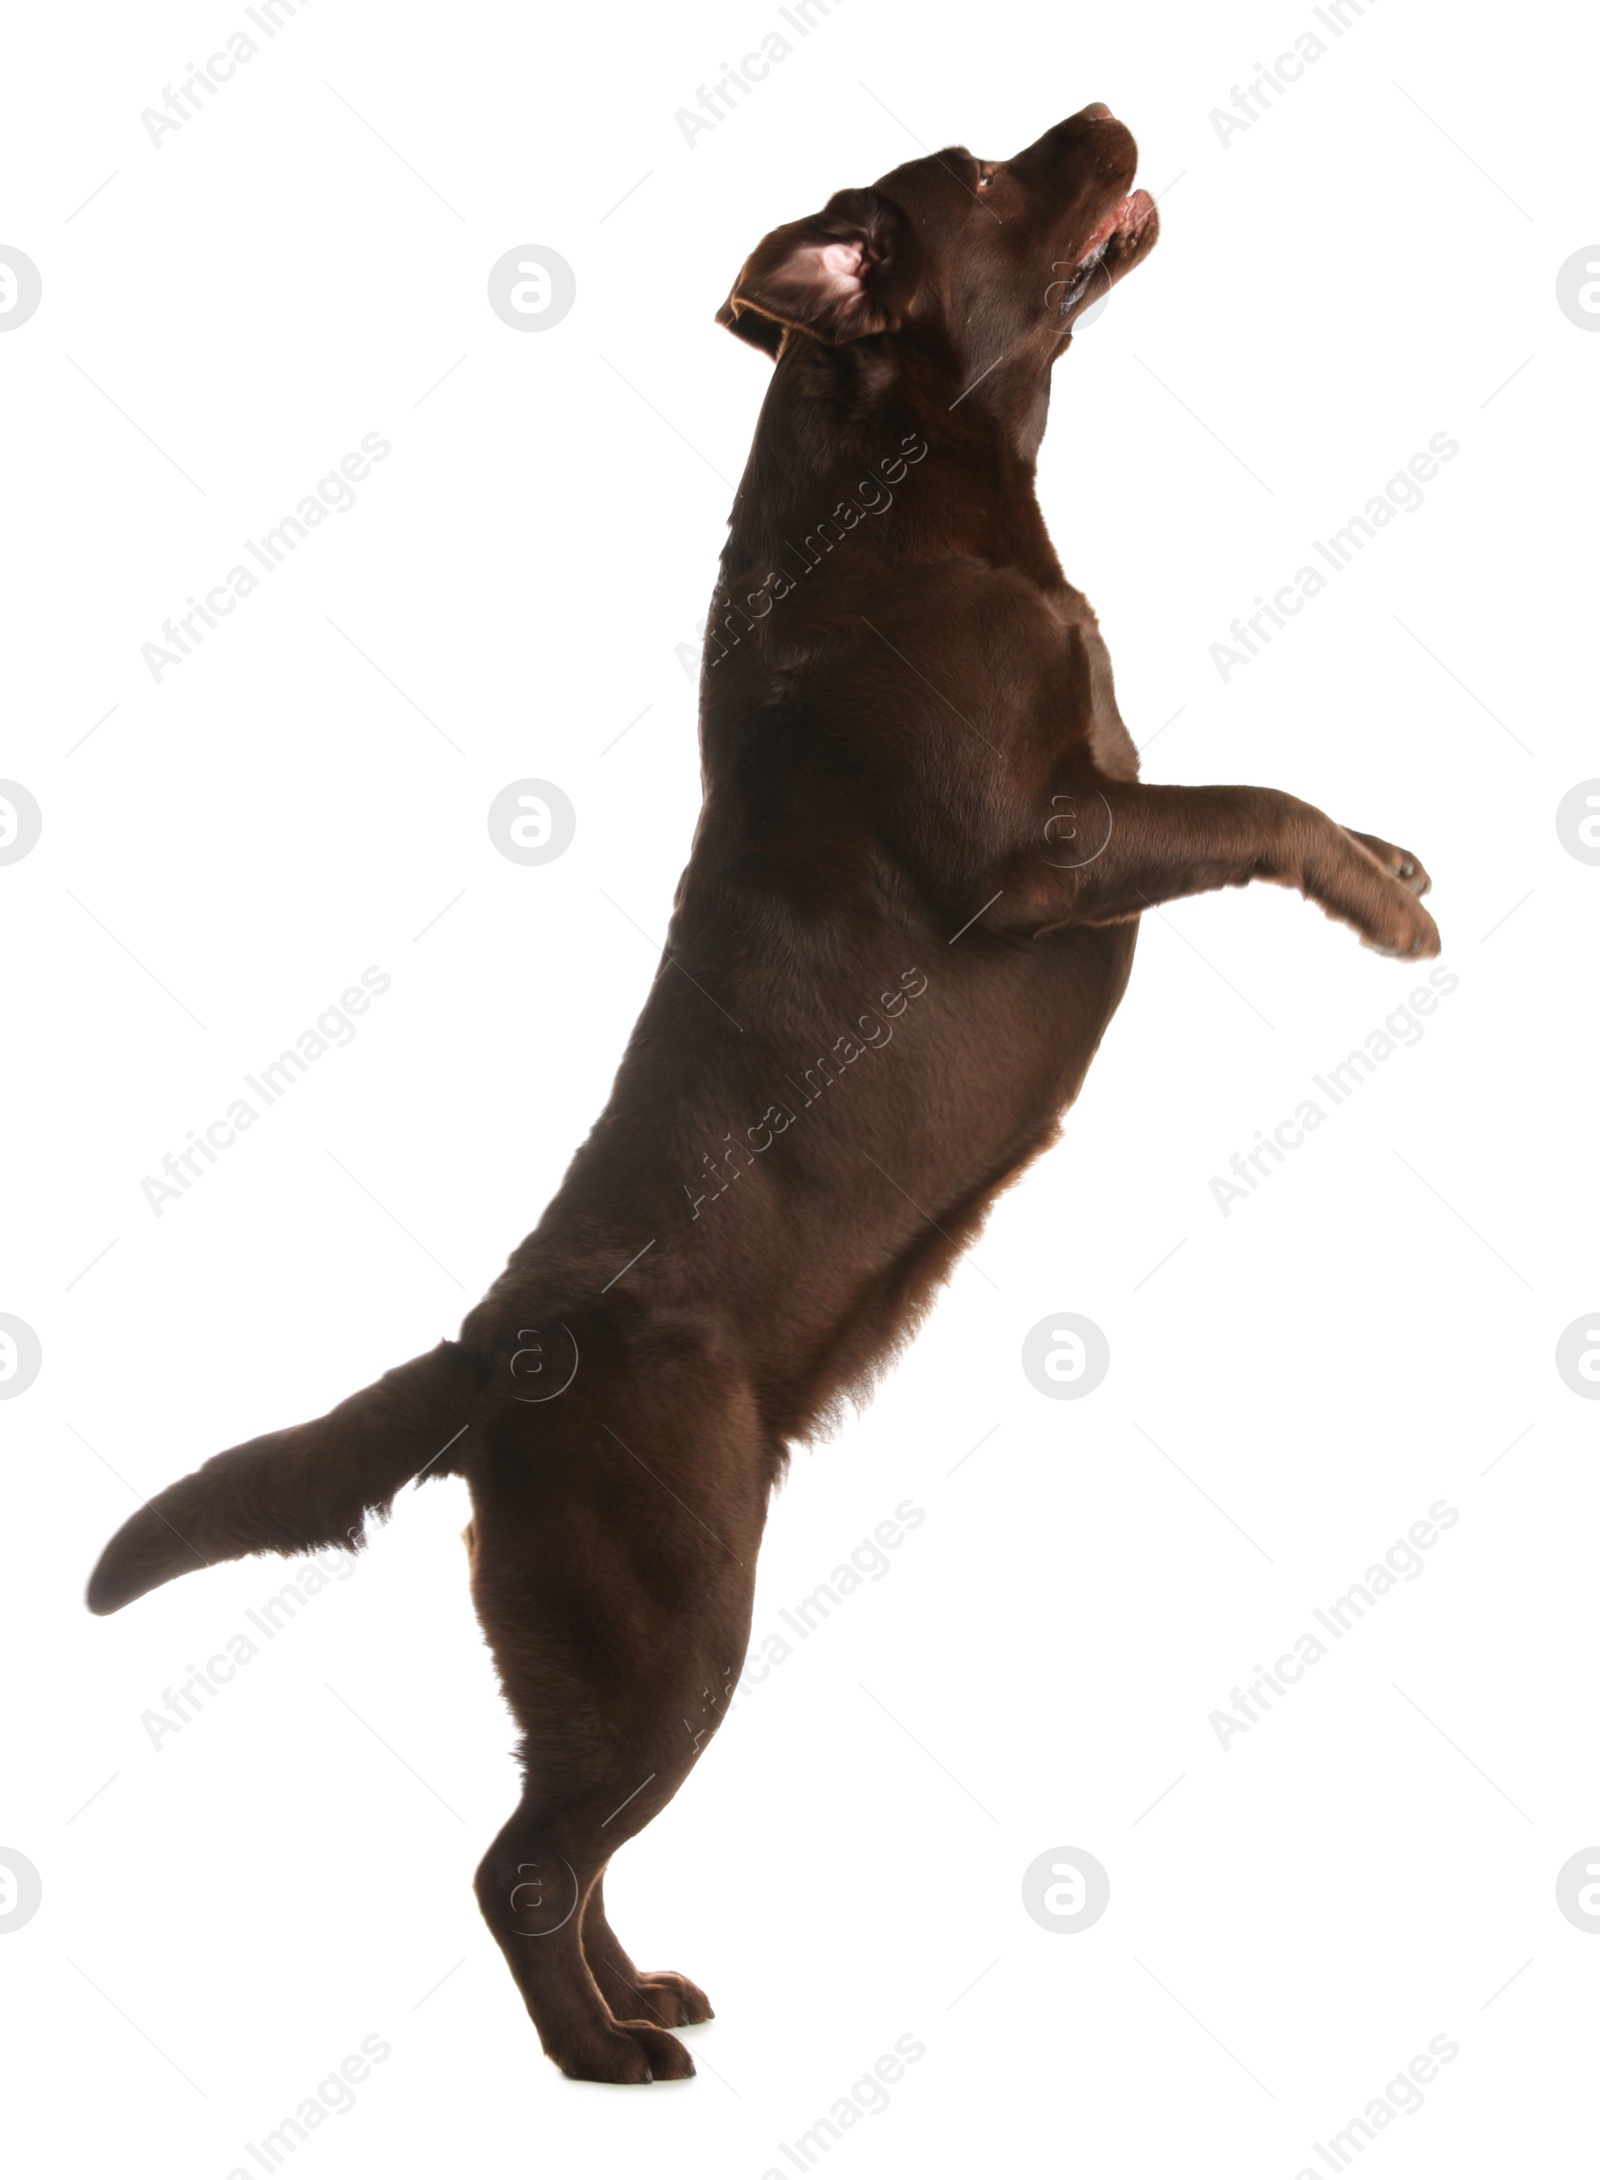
(879, 442)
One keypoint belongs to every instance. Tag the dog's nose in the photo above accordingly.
(1099, 111)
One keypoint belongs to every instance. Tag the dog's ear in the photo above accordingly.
(844, 273)
(751, 326)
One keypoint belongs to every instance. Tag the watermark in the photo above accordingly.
(1578, 1356)
(1578, 288)
(1066, 1356)
(531, 288)
(1066, 1890)
(738, 82)
(532, 821)
(867, 2096)
(544, 1899)
(1272, 81)
(332, 1027)
(1340, 1083)
(334, 495)
(1403, 2095)
(1401, 495)
(1402, 1562)
(21, 1890)
(1070, 830)
(826, 1070)
(1578, 1890)
(20, 1356)
(203, 82)
(871, 496)
(868, 1561)
(542, 1366)
(182, 1705)
(1577, 820)
(20, 288)
(334, 2095)
(21, 822)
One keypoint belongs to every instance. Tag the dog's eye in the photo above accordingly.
(984, 180)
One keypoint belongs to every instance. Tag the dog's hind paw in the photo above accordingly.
(652, 1995)
(677, 2001)
(630, 2051)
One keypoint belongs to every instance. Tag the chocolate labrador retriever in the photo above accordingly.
(908, 916)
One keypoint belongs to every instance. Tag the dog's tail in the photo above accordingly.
(301, 1489)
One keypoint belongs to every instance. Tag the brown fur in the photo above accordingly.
(909, 914)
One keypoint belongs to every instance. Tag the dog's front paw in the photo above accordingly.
(1397, 862)
(1402, 930)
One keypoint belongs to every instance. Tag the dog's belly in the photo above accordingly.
(969, 1094)
(976, 1085)
(801, 1192)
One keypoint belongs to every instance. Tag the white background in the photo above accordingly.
(306, 795)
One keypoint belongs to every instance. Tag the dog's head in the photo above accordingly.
(983, 260)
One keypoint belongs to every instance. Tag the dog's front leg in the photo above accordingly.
(1105, 852)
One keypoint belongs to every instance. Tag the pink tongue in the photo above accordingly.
(1101, 234)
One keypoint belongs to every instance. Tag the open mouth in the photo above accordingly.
(1128, 221)
(1118, 234)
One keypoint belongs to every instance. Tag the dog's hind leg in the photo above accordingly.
(599, 1762)
(533, 1887)
(612, 1570)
